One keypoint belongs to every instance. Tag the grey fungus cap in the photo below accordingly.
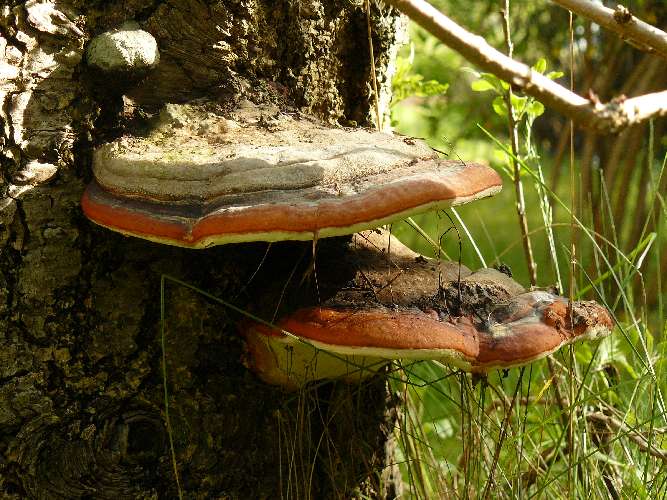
(258, 174)
(122, 50)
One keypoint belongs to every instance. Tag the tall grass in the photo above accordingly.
(589, 423)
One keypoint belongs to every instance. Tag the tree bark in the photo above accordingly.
(81, 409)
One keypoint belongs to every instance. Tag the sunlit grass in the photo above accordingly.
(612, 392)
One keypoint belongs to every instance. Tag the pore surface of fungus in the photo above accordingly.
(202, 179)
(351, 335)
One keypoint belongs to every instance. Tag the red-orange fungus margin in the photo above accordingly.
(189, 224)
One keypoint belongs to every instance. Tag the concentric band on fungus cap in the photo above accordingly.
(200, 179)
(292, 215)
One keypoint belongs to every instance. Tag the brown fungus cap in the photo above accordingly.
(200, 179)
(377, 333)
(348, 338)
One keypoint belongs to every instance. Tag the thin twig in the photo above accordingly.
(373, 75)
(621, 21)
(573, 269)
(635, 436)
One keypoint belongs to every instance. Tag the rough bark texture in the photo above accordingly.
(81, 411)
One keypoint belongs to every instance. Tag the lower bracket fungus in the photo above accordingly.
(350, 337)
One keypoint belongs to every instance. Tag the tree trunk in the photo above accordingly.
(81, 394)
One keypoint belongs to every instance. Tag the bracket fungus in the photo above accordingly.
(123, 50)
(350, 337)
(200, 179)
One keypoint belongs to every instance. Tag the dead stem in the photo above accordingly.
(514, 142)
(378, 123)
(501, 437)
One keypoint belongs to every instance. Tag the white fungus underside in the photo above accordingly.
(303, 360)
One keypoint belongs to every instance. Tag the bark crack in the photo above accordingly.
(18, 374)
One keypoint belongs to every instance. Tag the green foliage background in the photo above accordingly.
(450, 122)
(449, 435)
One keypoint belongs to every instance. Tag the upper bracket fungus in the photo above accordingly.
(350, 337)
(259, 174)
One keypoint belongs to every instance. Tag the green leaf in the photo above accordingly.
(499, 106)
(471, 71)
(489, 77)
(519, 103)
(493, 80)
(407, 83)
(481, 86)
(541, 65)
(535, 108)
(552, 75)
(432, 87)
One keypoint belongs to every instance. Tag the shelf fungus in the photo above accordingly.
(493, 324)
(257, 174)
(202, 178)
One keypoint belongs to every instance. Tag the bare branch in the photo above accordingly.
(621, 21)
(613, 116)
